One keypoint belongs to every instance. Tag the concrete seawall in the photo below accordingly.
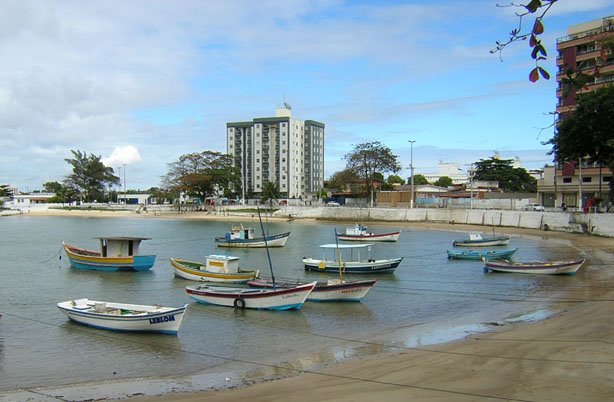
(573, 222)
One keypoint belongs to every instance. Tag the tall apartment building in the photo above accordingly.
(281, 149)
(576, 182)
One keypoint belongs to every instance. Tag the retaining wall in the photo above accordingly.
(574, 222)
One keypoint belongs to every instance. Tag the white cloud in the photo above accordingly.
(122, 155)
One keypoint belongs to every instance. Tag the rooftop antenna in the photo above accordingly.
(286, 104)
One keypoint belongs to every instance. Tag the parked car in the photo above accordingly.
(534, 207)
(333, 204)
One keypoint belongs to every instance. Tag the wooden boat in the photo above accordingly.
(360, 233)
(536, 267)
(477, 240)
(216, 268)
(353, 263)
(240, 236)
(330, 290)
(481, 254)
(124, 317)
(291, 298)
(116, 254)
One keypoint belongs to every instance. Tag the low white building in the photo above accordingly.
(134, 199)
(21, 201)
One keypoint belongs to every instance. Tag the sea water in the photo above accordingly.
(428, 299)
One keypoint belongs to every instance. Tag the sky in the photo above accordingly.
(142, 82)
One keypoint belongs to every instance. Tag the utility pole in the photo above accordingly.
(411, 170)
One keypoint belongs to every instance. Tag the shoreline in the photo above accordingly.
(566, 356)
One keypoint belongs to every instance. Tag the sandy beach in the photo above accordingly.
(568, 356)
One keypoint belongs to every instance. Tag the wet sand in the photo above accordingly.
(565, 357)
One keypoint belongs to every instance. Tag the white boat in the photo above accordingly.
(330, 290)
(124, 317)
(536, 267)
(243, 237)
(216, 268)
(360, 233)
(291, 298)
(352, 262)
(477, 240)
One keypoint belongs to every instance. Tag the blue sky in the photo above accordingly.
(142, 82)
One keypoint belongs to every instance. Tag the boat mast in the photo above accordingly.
(338, 255)
(266, 245)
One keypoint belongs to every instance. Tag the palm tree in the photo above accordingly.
(270, 192)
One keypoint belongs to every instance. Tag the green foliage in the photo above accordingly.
(588, 130)
(342, 180)
(199, 174)
(443, 181)
(369, 159)
(90, 176)
(63, 193)
(270, 192)
(5, 190)
(419, 180)
(510, 179)
(395, 179)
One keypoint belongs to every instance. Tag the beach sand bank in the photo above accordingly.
(566, 357)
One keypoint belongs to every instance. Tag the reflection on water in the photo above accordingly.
(39, 346)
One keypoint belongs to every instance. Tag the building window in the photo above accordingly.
(587, 179)
(607, 179)
(566, 179)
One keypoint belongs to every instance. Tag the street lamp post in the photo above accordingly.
(125, 198)
(119, 174)
(411, 170)
(580, 183)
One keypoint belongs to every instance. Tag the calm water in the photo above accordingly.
(39, 346)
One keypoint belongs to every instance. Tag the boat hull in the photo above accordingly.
(86, 259)
(166, 320)
(341, 291)
(353, 267)
(391, 237)
(278, 240)
(543, 268)
(186, 269)
(261, 299)
(479, 255)
(486, 242)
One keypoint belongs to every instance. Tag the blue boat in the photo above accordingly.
(116, 254)
(481, 255)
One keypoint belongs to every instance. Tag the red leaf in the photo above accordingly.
(538, 28)
(534, 75)
(533, 41)
(544, 73)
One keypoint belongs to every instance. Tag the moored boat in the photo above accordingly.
(477, 240)
(330, 290)
(352, 263)
(291, 298)
(116, 254)
(216, 268)
(568, 267)
(124, 317)
(360, 233)
(481, 254)
(243, 237)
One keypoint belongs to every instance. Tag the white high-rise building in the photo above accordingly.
(280, 149)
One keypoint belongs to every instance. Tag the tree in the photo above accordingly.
(203, 173)
(270, 192)
(5, 190)
(90, 176)
(395, 179)
(342, 179)
(443, 181)
(588, 131)
(370, 158)
(502, 170)
(538, 51)
(419, 180)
